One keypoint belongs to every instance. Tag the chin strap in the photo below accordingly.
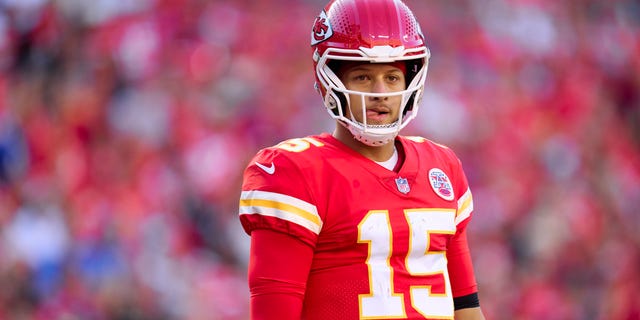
(372, 141)
(369, 138)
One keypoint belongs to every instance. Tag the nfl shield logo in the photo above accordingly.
(403, 185)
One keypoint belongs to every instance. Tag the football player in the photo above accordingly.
(361, 223)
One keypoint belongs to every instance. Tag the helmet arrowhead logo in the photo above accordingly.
(321, 29)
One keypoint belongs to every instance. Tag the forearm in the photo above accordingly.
(275, 300)
(278, 269)
(469, 314)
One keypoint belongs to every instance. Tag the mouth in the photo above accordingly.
(378, 115)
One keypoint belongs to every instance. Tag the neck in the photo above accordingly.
(377, 153)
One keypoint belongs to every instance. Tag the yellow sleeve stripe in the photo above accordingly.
(465, 207)
(281, 206)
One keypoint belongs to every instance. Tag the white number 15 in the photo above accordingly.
(383, 301)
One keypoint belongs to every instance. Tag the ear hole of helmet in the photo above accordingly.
(342, 102)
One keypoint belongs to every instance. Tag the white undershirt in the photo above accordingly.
(391, 163)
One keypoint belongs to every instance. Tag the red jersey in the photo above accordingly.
(385, 244)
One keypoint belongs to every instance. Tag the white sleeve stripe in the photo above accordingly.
(270, 212)
(281, 206)
(465, 207)
(279, 197)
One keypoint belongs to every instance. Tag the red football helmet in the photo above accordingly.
(375, 31)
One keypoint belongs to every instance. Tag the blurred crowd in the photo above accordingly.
(125, 127)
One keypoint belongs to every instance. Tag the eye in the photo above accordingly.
(360, 77)
(393, 78)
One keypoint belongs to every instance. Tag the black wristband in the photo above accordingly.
(468, 301)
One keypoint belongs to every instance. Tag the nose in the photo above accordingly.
(379, 86)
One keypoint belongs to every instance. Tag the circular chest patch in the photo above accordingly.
(441, 184)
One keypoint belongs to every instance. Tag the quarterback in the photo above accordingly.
(361, 223)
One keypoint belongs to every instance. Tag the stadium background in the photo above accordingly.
(125, 126)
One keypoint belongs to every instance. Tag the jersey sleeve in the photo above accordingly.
(275, 196)
(277, 278)
(460, 265)
(277, 209)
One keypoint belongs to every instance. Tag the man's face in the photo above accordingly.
(374, 78)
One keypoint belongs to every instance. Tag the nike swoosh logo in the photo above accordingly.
(269, 170)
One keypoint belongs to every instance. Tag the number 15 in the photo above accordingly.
(382, 300)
